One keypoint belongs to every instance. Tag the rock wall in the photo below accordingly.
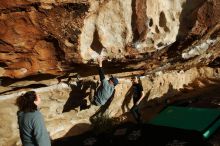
(172, 44)
(55, 37)
(62, 105)
(36, 37)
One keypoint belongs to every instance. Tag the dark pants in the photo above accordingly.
(93, 90)
(136, 113)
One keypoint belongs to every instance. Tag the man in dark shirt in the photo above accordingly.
(107, 87)
(138, 95)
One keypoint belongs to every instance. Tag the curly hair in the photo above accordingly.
(26, 103)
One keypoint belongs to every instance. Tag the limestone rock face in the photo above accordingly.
(45, 44)
(109, 26)
(163, 22)
(62, 105)
(36, 37)
(52, 37)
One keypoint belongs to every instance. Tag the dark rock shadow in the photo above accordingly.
(31, 86)
(74, 136)
(77, 96)
(96, 44)
(188, 17)
(187, 21)
(78, 129)
(6, 81)
(127, 99)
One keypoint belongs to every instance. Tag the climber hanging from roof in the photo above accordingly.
(106, 89)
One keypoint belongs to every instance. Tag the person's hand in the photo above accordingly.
(100, 59)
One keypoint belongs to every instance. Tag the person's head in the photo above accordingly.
(113, 81)
(28, 102)
(134, 79)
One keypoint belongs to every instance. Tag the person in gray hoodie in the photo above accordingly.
(106, 89)
(31, 124)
